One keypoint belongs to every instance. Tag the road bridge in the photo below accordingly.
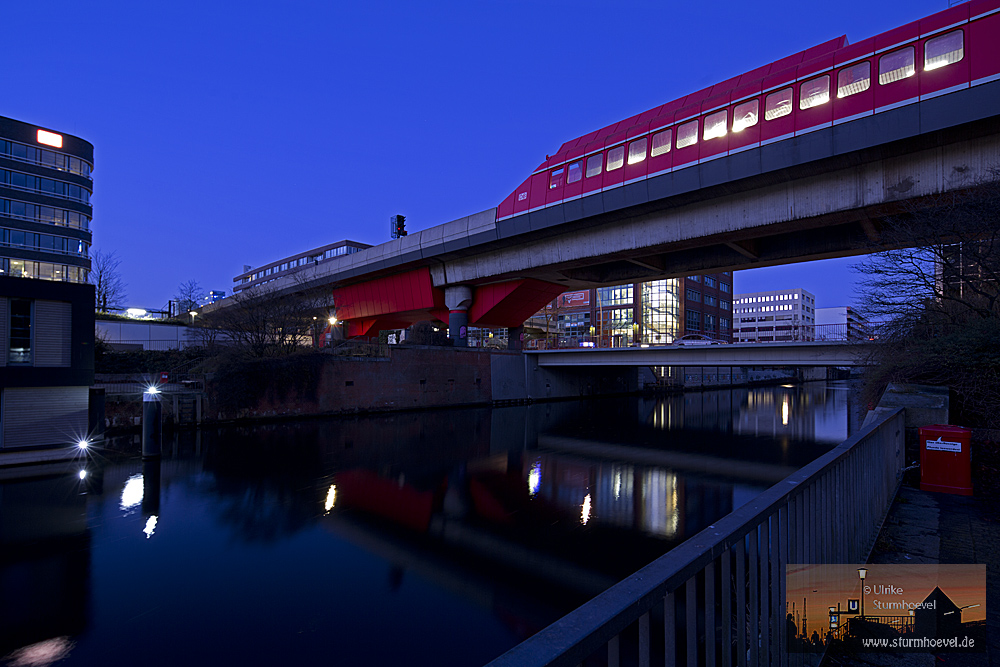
(807, 354)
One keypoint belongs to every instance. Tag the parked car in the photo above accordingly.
(698, 339)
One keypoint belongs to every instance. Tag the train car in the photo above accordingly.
(832, 83)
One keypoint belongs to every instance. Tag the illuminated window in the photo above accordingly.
(715, 124)
(814, 92)
(944, 50)
(556, 179)
(854, 79)
(745, 115)
(661, 142)
(637, 151)
(687, 134)
(896, 66)
(616, 158)
(574, 172)
(594, 164)
(50, 139)
(778, 104)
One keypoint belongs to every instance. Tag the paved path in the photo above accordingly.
(925, 527)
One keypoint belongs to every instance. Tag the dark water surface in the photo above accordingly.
(433, 538)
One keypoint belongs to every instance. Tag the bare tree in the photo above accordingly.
(189, 296)
(105, 275)
(937, 290)
(260, 324)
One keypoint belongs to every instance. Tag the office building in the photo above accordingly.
(840, 323)
(252, 277)
(46, 303)
(651, 313)
(776, 315)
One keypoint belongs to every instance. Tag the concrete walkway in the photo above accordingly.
(926, 527)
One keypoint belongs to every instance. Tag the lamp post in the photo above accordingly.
(960, 610)
(862, 573)
(193, 313)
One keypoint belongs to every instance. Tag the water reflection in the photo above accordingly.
(466, 529)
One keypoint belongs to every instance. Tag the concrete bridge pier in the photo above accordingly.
(458, 299)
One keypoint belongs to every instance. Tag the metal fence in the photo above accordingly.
(764, 333)
(137, 383)
(718, 599)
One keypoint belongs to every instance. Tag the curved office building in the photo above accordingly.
(46, 303)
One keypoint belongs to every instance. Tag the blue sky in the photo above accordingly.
(232, 133)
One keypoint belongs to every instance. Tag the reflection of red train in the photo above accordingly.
(818, 88)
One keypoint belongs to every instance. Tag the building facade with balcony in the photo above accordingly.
(784, 315)
(46, 302)
(841, 323)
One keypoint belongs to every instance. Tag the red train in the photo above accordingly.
(818, 88)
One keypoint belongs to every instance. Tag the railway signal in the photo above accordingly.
(397, 226)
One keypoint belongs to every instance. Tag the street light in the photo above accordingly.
(960, 609)
(193, 313)
(862, 573)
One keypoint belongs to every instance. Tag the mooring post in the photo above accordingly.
(151, 417)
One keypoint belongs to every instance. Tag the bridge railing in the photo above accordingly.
(769, 332)
(719, 598)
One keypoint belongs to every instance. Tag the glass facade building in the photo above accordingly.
(649, 313)
(46, 302)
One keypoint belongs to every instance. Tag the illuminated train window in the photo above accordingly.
(637, 151)
(944, 50)
(814, 92)
(661, 142)
(715, 124)
(616, 158)
(687, 134)
(556, 180)
(855, 79)
(778, 104)
(896, 66)
(574, 172)
(594, 164)
(745, 115)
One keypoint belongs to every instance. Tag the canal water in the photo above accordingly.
(432, 538)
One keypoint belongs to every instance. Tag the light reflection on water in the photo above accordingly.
(459, 533)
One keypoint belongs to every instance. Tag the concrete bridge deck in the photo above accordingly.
(816, 353)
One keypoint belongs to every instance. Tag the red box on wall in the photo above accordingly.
(945, 459)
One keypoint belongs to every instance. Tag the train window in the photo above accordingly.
(637, 151)
(778, 104)
(574, 172)
(616, 158)
(896, 66)
(661, 142)
(556, 180)
(715, 124)
(687, 134)
(745, 115)
(854, 79)
(814, 92)
(594, 164)
(944, 50)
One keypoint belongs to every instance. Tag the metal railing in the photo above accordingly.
(137, 383)
(769, 332)
(719, 598)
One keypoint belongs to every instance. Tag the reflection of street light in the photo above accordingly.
(862, 572)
